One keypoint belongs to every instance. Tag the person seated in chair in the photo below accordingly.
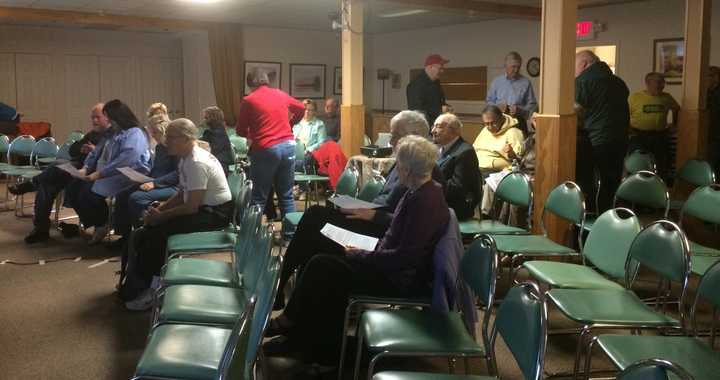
(216, 135)
(202, 203)
(458, 164)
(308, 240)
(310, 131)
(130, 204)
(499, 143)
(53, 180)
(128, 146)
(399, 266)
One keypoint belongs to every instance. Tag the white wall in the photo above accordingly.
(199, 89)
(58, 74)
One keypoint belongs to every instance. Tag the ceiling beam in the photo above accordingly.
(483, 7)
(98, 19)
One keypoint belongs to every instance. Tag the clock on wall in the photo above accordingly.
(533, 66)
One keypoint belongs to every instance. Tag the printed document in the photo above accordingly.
(348, 238)
(134, 175)
(348, 202)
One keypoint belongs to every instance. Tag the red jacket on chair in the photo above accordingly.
(331, 160)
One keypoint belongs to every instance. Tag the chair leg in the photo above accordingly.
(358, 354)
(467, 365)
(451, 365)
(373, 363)
(578, 351)
(588, 358)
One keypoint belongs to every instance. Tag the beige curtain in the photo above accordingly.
(226, 57)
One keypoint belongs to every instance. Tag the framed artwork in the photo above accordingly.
(668, 58)
(337, 81)
(273, 70)
(307, 81)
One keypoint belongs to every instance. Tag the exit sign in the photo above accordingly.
(585, 30)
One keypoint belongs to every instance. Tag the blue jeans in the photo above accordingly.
(274, 167)
(129, 206)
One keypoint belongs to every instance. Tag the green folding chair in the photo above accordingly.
(697, 357)
(240, 150)
(704, 205)
(515, 190)
(43, 149)
(75, 136)
(653, 369)
(662, 249)
(22, 147)
(606, 249)
(567, 202)
(62, 156)
(697, 173)
(639, 160)
(521, 322)
(415, 333)
(371, 188)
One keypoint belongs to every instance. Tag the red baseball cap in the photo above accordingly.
(434, 59)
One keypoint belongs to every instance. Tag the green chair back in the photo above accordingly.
(64, 151)
(4, 144)
(663, 248)
(567, 201)
(697, 172)
(478, 268)
(299, 151)
(653, 369)
(21, 146)
(371, 188)
(515, 189)
(709, 285)
(75, 136)
(231, 131)
(522, 322)
(266, 292)
(348, 182)
(608, 243)
(233, 361)
(239, 143)
(639, 160)
(704, 204)
(257, 259)
(644, 188)
(247, 236)
(44, 148)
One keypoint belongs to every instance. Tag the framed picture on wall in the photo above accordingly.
(307, 80)
(337, 81)
(669, 58)
(273, 70)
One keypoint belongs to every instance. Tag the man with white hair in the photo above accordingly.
(264, 118)
(603, 121)
(511, 91)
(308, 240)
(458, 164)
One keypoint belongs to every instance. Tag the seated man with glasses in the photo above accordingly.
(499, 143)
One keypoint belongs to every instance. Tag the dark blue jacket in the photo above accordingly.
(164, 168)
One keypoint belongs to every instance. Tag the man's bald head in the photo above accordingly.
(98, 119)
(583, 60)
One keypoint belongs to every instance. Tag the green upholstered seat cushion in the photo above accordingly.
(310, 178)
(202, 304)
(199, 272)
(701, 250)
(402, 375)
(201, 241)
(609, 306)
(28, 174)
(565, 275)
(700, 264)
(530, 244)
(184, 352)
(692, 354)
(417, 331)
(475, 226)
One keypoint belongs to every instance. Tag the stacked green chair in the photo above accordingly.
(639, 160)
(661, 249)
(606, 248)
(240, 150)
(200, 271)
(20, 146)
(371, 188)
(217, 305)
(521, 322)
(63, 155)
(691, 353)
(697, 173)
(704, 205)
(566, 202)
(653, 369)
(414, 333)
(214, 241)
(514, 190)
(4, 147)
(43, 149)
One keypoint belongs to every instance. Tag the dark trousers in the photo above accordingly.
(90, 207)
(48, 185)
(317, 307)
(608, 159)
(308, 241)
(655, 142)
(130, 205)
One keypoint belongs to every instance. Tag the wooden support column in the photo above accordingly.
(352, 111)
(556, 126)
(693, 120)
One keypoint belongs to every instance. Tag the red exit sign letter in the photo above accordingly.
(584, 30)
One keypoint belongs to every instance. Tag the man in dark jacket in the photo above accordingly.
(459, 166)
(603, 120)
(424, 92)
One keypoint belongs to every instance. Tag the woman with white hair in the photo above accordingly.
(400, 265)
(202, 203)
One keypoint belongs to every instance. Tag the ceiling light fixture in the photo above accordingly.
(410, 12)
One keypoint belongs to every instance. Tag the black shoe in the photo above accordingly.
(21, 188)
(69, 230)
(37, 236)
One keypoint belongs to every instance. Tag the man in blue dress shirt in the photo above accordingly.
(512, 92)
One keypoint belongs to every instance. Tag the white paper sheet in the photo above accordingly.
(493, 180)
(348, 202)
(348, 238)
(134, 176)
(67, 167)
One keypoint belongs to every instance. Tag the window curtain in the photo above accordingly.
(226, 57)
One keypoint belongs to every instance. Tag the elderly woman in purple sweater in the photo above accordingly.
(400, 265)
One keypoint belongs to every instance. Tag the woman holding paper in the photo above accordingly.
(400, 265)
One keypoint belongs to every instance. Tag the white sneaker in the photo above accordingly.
(144, 301)
(99, 235)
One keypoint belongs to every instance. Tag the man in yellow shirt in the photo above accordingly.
(648, 120)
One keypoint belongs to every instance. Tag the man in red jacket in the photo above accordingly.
(264, 118)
